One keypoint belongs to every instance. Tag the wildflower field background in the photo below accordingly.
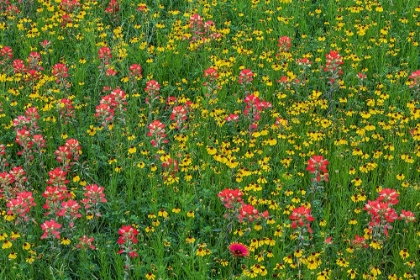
(209, 139)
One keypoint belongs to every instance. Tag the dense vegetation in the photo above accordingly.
(209, 139)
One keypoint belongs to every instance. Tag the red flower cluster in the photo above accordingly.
(211, 74)
(12, 182)
(6, 55)
(210, 80)
(66, 110)
(51, 229)
(94, 196)
(66, 19)
(254, 106)
(152, 89)
(21, 206)
(70, 210)
(6, 185)
(34, 61)
(157, 131)
(245, 77)
(253, 109)
(57, 177)
(69, 5)
(56, 192)
(232, 118)
(248, 213)
(414, 80)
(202, 31)
(179, 115)
(317, 165)
(334, 60)
(31, 72)
(68, 154)
(232, 199)
(333, 66)
(383, 215)
(27, 134)
(105, 56)
(170, 165)
(135, 72)
(85, 243)
(301, 217)
(61, 72)
(113, 7)
(111, 105)
(128, 237)
(284, 43)
(304, 61)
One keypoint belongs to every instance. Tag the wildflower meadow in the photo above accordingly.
(209, 139)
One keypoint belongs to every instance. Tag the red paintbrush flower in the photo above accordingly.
(317, 163)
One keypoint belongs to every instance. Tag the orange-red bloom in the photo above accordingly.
(317, 163)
